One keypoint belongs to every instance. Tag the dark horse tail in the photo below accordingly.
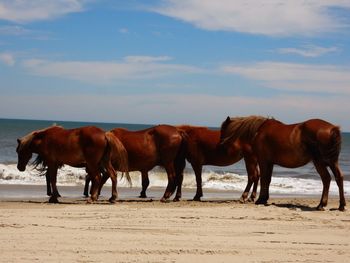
(331, 150)
(116, 156)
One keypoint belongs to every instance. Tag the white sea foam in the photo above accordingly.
(210, 180)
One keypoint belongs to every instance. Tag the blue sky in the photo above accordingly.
(167, 61)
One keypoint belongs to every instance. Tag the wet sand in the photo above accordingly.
(219, 229)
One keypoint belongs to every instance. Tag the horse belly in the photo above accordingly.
(292, 159)
(142, 159)
(69, 155)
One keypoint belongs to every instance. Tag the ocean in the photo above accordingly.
(299, 181)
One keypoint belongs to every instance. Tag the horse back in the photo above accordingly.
(73, 146)
(136, 142)
(294, 145)
(150, 147)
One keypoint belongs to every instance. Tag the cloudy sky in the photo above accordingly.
(175, 61)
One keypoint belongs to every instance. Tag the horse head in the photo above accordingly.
(24, 153)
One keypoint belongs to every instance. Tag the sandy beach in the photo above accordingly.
(134, 230)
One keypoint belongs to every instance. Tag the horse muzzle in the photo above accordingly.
(21, 168)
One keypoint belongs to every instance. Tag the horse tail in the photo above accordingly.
(181, 156)
(118, 155)
(331, 150)
(180, 159)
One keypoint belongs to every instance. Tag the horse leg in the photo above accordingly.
(197, 168)
(244, 196)
(179, 170)
(326, 180)
(86, 187)
(251, 167)
(111, 173)
(339, 177)
(104, 179)
(52, 173)
(170, 170)
(265, 180)
(95, 178)
(145, 184)
(48, 186)
(255, 185)
(179, 179)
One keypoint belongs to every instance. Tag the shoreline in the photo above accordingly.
(17, 192)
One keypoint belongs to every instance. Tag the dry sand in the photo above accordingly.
(288, 230)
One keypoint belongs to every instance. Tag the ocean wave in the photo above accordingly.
(210, 180)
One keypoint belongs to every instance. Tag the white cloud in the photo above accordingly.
(296, 77)
(123, 30)
(7, 58)
(14, 30)
(273, 17)
(31, 10)
(20, 31)
(146, 59)
(132, 67)
(308, 51)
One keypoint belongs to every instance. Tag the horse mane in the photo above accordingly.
(243, 128)
(27, 139)
(39, 163)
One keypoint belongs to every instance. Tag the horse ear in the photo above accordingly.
(18, 141)
(226, 122)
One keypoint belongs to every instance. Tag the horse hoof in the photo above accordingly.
(320, 208)
(261, 202)
(163, 200)
(112, 200)
(342, 208)
(251, 200)
(197, 199)
(143, 196)
(53, 200)
(242, 200)
(176, 199)
(90, 200)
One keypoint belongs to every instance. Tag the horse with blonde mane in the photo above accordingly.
(55, 146)
(203, 148)
(291, 146)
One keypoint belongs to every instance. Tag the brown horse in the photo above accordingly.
(289, 146)
(203, 148)
(156, 146)
(55, 146)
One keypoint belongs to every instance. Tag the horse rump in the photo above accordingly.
(330, 153)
